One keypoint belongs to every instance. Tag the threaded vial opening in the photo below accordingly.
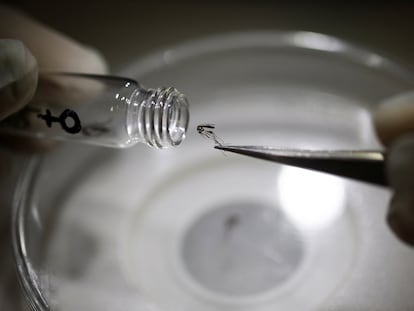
(166, 118)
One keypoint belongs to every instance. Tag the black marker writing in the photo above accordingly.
(67, 113)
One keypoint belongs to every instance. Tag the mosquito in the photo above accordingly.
(206, 130)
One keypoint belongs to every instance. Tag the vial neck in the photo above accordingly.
(157, 117)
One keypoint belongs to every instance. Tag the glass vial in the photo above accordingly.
(102, 110)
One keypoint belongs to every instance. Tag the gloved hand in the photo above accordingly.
(27, 47)
(18, 76)
(394, 121)
(30, 47)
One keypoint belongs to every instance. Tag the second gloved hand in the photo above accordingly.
(394, 121)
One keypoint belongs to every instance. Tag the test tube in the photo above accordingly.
(102, 110)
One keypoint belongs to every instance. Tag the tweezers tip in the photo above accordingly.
(225, 148)
(219, 147)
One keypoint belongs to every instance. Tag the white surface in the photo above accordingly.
(154, 197)
(137, 208)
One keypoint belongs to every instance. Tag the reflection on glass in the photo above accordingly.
(311, 200)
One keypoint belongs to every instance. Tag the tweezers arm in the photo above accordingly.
(371, 171)
(366, 166)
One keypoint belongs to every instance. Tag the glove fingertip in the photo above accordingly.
(394, 117)
(18, 79)
(399, 226)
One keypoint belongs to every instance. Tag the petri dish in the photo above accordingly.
(192, 228)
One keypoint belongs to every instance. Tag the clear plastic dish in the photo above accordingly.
(193, 228)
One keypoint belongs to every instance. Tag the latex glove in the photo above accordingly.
(31, 47)
(18, 76)
(394, 121)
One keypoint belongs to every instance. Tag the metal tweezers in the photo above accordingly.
(367, 166)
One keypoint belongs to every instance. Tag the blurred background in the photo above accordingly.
(125, 30)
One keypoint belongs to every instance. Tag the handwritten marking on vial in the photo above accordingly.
(67, 113)
(206, 130)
